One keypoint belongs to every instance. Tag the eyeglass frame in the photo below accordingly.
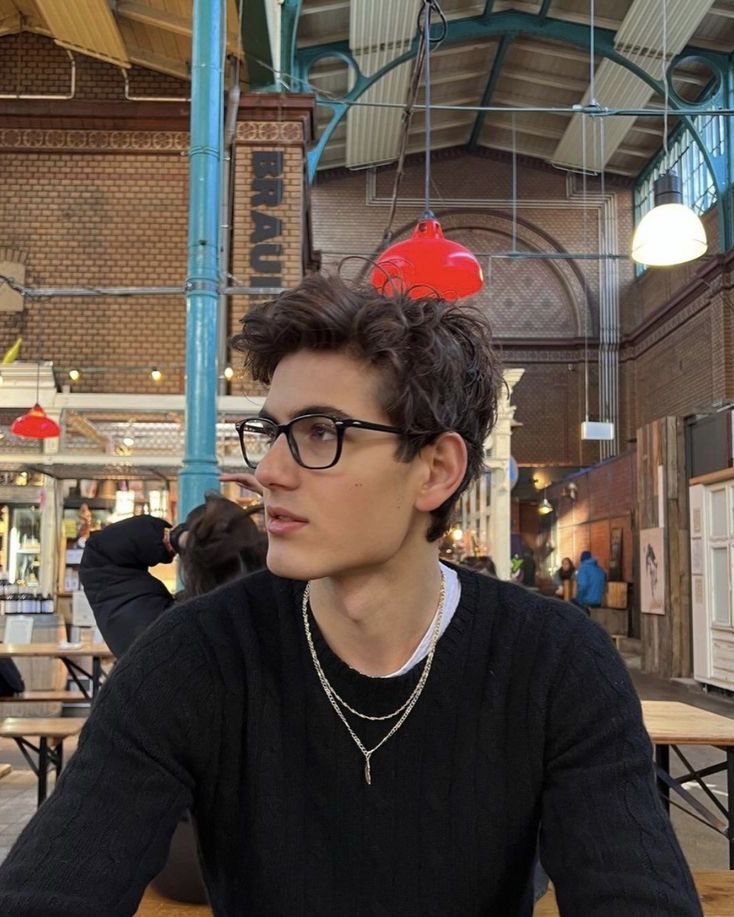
(342, 424)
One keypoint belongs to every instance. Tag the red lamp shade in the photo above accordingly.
(428, 264)
(35, 424)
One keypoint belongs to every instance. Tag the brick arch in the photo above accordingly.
(526, 298)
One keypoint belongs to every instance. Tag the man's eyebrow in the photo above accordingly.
(328, 409)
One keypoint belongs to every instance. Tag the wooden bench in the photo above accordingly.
(46, 697)
(716, 889)
(155, 905)
(50, 732)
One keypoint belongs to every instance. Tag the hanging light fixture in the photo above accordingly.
(545, 506)
(670, 233)
(35, 423)
(427, 263)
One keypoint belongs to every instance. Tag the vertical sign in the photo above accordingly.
(266, 251)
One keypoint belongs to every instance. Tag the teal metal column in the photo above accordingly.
(200, 470)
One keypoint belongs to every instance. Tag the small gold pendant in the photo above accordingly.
(367, 772)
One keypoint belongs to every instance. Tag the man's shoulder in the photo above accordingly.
(512, 601)
(529, 624)
(256, 600)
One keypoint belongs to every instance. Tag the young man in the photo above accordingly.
(362, 730)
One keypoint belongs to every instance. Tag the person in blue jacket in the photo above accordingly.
(590, 582)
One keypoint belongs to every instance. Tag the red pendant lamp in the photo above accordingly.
(35, 423)
(427, 263)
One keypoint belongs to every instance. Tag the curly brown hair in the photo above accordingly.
(439, 369)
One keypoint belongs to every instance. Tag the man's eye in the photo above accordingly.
(321, 431)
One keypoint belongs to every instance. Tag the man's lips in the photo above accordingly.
(281, 521)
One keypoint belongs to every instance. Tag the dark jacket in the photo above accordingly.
(124, 596)
(590, 583)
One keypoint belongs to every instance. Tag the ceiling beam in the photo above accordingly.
(545, 79)
(545, 6)
(490, 86)
(151, 61)
(632, 151)
(528, 6)
(565, 52)
(503, 123)
(154, 17)
(10, 25)
(314, 9)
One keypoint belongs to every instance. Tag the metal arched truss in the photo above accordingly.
(505, 27)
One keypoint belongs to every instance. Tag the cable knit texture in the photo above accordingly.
(528, 716)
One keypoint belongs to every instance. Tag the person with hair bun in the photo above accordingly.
(217, 542)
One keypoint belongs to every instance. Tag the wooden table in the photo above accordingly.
(155, 905)
(50, 732)
(671, 724)
(70, 656)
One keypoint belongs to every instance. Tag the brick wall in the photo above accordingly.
(33, 64)
(89, 201)
(605, 499)
(92, 220)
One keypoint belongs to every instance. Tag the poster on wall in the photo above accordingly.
(615, 556)
(652, 571)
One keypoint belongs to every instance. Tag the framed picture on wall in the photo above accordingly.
(652, 571)
(615, 556)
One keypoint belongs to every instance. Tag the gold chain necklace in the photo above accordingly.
(404, 709)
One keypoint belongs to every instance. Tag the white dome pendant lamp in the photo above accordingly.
(670, 233)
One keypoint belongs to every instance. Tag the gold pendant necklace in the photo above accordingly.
(337, 702)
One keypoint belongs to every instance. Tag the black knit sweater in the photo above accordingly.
(528, 717)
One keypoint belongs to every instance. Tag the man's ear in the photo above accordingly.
(444, 464)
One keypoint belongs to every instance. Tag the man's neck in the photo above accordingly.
(374, 620)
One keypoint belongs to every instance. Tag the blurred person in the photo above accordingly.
(528, 568)
(563, 578)
(361, 728)
(590, 582)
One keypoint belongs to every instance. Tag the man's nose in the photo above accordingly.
(278, 468)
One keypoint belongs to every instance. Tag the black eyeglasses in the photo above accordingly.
(315, 440)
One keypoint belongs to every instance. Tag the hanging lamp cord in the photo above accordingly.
(428, 7)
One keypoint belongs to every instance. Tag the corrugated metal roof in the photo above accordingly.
(640, 38)
(87, 26)
(536, 71)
